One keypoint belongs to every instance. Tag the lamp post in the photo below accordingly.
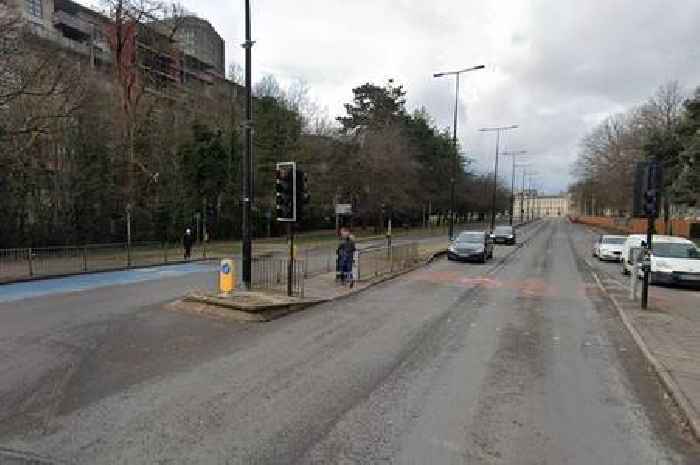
(512, 182)
(524, 166)
(531, 198)
(248, 172)
(498, 131)
(454, 140)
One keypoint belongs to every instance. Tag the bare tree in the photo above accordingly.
(37, 84)
(236, 74)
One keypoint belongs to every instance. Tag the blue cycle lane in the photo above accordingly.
(42, 288)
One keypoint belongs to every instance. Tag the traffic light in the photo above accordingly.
(648, 188)
(284, 192)
(302, 194)
(651, 203)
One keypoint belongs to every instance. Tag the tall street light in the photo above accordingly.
(531, 199)
(248, 172)
(454, 140)
(512, 182)
(495, 171)
(524, 167)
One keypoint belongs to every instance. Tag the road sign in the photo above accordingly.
(343, 209)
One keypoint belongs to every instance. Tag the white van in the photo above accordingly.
(674, 260)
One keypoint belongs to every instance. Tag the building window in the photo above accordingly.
(34, 7)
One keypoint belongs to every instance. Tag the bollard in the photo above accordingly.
(227, 277)
(634, 281)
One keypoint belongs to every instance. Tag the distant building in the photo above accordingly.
(551, 205)
(186, 52)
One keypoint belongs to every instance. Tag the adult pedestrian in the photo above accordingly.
(346, 257)
(187, 241)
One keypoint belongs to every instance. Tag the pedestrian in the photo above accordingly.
(346, 256)
(187, 241)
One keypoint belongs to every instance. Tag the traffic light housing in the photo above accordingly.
(648, 186)
(651, 206)
(302, 194)
(285, 192)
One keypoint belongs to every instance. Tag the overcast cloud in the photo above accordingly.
(555, 67)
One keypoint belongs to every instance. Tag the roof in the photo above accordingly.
(662, 238)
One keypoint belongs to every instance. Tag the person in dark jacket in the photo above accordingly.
(187, 241)
(346, 256)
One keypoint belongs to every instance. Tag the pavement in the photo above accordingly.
(669, 331)
(522, 360)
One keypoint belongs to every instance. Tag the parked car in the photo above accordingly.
(471, 245)
(504, 235)
(674, 260)
(609, 247)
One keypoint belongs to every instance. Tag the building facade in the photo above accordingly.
(199, 40)
(184, 54)
(552, 206)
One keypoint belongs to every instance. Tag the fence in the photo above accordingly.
(678, 227)
(271, 274)
(42, 262)
(375, 262)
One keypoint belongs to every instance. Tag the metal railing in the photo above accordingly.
(271, 274)
(371, 263)
(41, 262)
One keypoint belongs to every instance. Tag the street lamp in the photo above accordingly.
(454, 140)
(531, 199)
(512, 181)
(495, 171)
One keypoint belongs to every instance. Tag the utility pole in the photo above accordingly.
(454, 142)
(495, 171)
(513, 154)
(247, 185)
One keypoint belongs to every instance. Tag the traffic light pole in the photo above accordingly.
(248, 159)
(290, 262)
(645, 285)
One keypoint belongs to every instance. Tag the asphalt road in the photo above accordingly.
(519, 361)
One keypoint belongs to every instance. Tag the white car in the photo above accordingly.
(609, 247)
(674, 260)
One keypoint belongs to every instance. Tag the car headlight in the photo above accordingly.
(451, 248)
(510, 236)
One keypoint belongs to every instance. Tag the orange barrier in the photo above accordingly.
(635, 225)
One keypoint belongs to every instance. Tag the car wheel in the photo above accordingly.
(483, 257)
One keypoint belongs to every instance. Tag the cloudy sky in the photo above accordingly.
(554, 67)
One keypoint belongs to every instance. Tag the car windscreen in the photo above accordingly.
(670, 250)
(614, 240)
(504, 230)
(471, 238)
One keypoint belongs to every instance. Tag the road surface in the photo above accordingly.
(519, 361)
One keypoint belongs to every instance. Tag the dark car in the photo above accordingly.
(504, 235)
(474, 245)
